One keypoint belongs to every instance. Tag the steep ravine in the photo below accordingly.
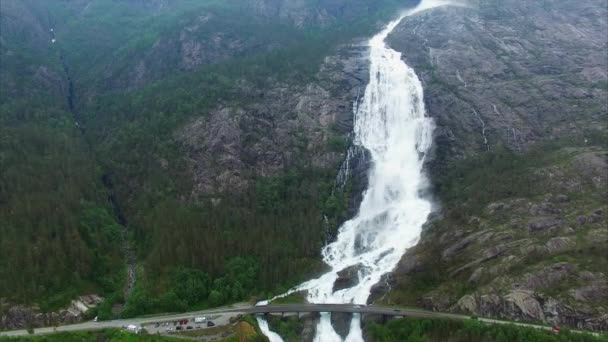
(127, 248)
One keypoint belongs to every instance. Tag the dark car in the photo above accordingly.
(179, 327)
(210, 324)
(189, 327)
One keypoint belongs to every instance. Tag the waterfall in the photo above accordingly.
(390, 122)
(272, 336)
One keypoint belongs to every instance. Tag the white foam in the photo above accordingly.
(390, 122)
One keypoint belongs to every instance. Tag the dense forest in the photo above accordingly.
(471, 330)
(89, 162)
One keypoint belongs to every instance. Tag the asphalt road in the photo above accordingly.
(221, 316)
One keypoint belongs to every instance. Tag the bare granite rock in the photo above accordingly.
(279, 128)
(21, 316)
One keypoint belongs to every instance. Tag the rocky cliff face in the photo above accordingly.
(279, 127)
(509, 72)
(513, 73)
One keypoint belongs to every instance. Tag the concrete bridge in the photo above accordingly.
(341, 308)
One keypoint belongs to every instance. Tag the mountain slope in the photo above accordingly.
(58, 233)
(209, 135)
(518, 91)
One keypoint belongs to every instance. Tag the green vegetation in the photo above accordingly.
(192, 288)
(131, 132)
(60, 232)
(108, 335)
(289, 328)
(294, 298)
(338, 143)
(57, 227)
(500, 194)
(418, 329)
(467, 186)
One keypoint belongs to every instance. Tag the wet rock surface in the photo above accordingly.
(348, 277)
(341, 323)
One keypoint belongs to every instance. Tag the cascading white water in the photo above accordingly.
(272, 336)
(390, 123)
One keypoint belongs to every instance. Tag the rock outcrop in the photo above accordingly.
(511, 74)
(348, 277)
(526, 305)
(500, 72)
(280, 127)
(21, 316)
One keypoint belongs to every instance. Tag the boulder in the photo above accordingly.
(549, 276)
(544, 208)
(476, 276)
(543, 224)
(524, 302)
(490, 304)
(560, 244)
(348, 277)
(534, 251)
(594, 219)
(596, 291)
(581, 220)
(492, 208)
(467, 304)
